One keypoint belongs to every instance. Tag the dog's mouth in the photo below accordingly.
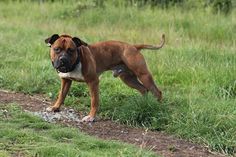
(61, 66)
(63, 69)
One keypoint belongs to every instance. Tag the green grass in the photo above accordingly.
(195, 70)
(22, 133)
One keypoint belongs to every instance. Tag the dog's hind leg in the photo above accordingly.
(132, 81)
(148, 82)
(136, 63)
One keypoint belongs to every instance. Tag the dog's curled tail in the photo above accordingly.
(151, 47)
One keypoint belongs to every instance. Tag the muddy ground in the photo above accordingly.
(160, 142)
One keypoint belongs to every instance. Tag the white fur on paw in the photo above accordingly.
(88, 119)
(49, 109)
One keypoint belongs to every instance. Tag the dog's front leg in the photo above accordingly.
(65, 86)
(94, 94)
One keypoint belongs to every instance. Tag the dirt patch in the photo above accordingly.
(159, 142)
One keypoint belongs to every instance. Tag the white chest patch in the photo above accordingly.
(76, 74)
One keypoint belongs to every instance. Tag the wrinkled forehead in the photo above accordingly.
(64, 43)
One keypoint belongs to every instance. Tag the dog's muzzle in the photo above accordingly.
(62, 64)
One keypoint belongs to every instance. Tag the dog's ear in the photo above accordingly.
(52, 39)
(79, 42)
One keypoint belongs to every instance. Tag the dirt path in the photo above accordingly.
(159, 142)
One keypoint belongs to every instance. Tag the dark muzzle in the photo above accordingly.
(62, 64)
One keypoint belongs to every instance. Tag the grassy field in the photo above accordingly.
(196, 70)
(22, 134)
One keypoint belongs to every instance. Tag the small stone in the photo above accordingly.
(71, 110)
(57, 116)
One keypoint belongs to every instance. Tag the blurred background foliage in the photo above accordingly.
(216, 6)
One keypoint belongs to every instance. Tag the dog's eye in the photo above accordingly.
(57, 50)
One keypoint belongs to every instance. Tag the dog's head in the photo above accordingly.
(64, 51)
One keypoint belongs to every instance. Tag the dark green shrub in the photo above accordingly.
(218, 6)
(224, 6)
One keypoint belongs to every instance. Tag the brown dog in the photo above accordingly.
(76, 60)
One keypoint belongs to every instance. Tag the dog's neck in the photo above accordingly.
(77, 60)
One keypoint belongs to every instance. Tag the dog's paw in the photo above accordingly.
(88, 119)
(52, 109)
